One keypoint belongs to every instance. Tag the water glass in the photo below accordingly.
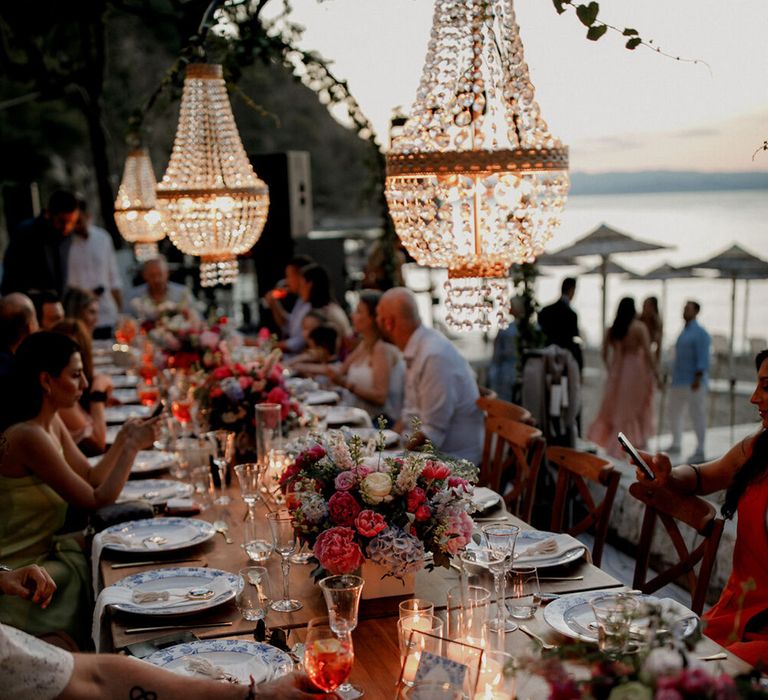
(253, 593)
(328, 658)
(526, 593)
(497, 676)
(614, 615)
(468, 613)
(284, 541)
(416, 606)
(269, 433)
(257, 548)
(413, 644)
(223, 446)
(497, 562)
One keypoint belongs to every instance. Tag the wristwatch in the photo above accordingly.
(98, 396)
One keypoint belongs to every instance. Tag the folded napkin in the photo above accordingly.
(101, 540)
(232, 673)
(563, 545)
(109, 596)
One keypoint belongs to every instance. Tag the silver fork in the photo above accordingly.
(544, 645)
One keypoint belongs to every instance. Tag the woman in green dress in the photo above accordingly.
(42, 472)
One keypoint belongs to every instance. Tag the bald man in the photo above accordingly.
(440, 387)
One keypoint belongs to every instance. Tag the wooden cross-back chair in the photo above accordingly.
(574, 470)
(512, 455)
(669, 507)
(498, 408)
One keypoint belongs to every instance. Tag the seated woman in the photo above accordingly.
(82, 305)
(315, 288)
(85, 420)
(373, 374)
(42, 472)
(739, 620)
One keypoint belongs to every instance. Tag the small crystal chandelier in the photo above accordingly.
(136, 214)
(475, 181)
(212, 202)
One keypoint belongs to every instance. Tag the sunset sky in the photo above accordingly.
(616, 109)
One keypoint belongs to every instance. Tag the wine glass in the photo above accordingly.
(249, 477)
(223, 442)
(328, 658)
(342, 596)
(284, 541)
(501, 539)
(181, 404)
(496, 562)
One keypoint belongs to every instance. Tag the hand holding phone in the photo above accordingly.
(634, 455)
(157, 410)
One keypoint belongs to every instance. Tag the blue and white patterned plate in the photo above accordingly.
(123, 381)
(188, 577)
(160, 534)
(120, 414)
(239, 659)
(154, 490)
(527, 538)
(572, 614)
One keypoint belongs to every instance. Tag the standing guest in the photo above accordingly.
(145, 300)
(689, 381)
(627, 404)
(651, 317)
(82, 305)
(290, 321)
(93, 266)
(48, 308)
(502, 371)
(315, 288)
(561, 324)
(440, 388)
(37, 254)
(42, 472)
(17, 320)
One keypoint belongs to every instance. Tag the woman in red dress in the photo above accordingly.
(739, 620)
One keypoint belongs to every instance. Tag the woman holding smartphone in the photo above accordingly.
(739, 620)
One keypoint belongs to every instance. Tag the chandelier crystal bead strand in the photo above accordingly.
(475, 180)
(213, 204)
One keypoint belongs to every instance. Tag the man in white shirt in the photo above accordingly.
(93, 266)
(440, 388)
(147, 300)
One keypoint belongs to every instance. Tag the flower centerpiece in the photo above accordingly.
(355, 507)
(229, 392)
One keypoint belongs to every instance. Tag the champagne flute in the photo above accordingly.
(342, 596)
(284, 541)
(249, 478)
(328, 658)
(223, 442)
(501, 539)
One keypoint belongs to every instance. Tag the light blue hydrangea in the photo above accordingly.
(397, 551)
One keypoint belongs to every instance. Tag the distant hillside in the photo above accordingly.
(665, 181)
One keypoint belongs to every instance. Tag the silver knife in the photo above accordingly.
(160, 628)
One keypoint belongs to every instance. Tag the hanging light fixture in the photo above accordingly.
(213, 203)
(136, 214)
(475, 181)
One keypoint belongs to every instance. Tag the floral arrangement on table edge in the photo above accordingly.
(229, 392)
(663, 671)
(351, 504)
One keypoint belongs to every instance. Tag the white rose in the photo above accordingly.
(376, 487)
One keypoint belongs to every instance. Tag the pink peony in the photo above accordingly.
(337, 551)
(695, 682)
(345, 480)
(458, 533)
(369, 523)
(435, 470)
(414, 499)
(456, 482)
(343, 508)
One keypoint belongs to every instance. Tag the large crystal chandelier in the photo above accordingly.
(475, 181)
(136, 215)
(213, 203)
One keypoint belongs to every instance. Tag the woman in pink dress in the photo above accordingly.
(627, 404)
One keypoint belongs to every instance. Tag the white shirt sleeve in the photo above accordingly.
(31, 668)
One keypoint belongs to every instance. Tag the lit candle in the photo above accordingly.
(489, 681)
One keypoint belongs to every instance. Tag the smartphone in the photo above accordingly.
(157, 410)
(634, 455)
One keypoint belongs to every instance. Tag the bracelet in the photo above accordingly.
(698, 477)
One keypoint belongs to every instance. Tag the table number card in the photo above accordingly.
(441, 670)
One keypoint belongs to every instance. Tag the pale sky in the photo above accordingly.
(616, 109)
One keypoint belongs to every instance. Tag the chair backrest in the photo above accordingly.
(498, 408)
(574, 470)
(512, 456)
(671, 508)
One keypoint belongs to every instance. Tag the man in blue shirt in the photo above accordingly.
(689, 381)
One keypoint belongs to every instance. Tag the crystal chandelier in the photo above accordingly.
(475, 181)
(136, 214)
(212, 202)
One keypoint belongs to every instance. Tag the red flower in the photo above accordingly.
(291, 471)
(414, 499)
(312, 455)
(343, 508)
(435, 470)
(215, 392)
(370, 523)
(423, 513)
(337, 551)
(222, 373)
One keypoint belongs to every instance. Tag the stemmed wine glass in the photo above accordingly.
(501, 539)
(342, 596)
(284, 541)
(223, 442)
(249, 477)
(495, 562)
(328, 658)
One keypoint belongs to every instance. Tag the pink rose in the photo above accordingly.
(345, 480)
(435, 470)
(264, 333)
(458, 532)
(414, 499)
(343, 508)
(362, 471)
(337, 551)
(370, 523)
(695, 682)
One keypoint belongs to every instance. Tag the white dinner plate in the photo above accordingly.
(320, 397)
(484, 498)
(152, 461)
(159, 534)
(127, 395)
(154, 490)
(120, 414)
(241, 659)
(123, 381)
(346, 415)
(572, 614)
(111, 369)
(389, 437)
(221, 583)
